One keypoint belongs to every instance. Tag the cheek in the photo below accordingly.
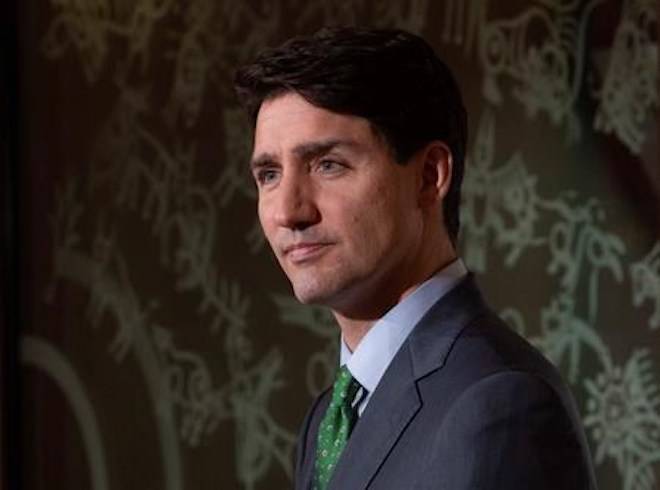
(262, 216)
(394, 217)
(265, 220)
(372, 222)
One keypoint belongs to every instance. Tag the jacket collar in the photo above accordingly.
(435, 334)
(396, 401)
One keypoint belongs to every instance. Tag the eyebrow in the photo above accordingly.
(304, 151)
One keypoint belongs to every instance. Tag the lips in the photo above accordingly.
(305, 251)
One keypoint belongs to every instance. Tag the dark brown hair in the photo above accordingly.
(390, 77)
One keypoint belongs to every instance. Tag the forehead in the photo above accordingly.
(289, 120)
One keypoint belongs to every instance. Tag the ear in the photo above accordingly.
(436, 172)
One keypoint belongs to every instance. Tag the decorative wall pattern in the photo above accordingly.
(155, 308)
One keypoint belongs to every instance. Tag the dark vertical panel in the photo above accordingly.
(10, 394)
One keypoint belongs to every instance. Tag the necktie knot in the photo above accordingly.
(344, 389)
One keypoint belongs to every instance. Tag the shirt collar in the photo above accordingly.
(378, 347)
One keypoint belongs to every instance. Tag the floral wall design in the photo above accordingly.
(162, 347)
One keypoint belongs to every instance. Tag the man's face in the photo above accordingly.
(341, 215)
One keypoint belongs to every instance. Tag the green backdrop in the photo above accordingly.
(161, 347)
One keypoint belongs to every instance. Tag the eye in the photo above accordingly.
(328, 166)
(265, 176)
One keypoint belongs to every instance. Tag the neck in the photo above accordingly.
(354, 326)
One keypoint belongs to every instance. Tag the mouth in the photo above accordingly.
(305, 251)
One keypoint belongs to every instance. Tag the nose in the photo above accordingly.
(294, 204)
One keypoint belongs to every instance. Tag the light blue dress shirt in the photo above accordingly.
(377, 348)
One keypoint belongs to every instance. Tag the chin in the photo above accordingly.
(309, 297)
(314, 292)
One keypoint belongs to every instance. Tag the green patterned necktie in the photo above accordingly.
(336, 426)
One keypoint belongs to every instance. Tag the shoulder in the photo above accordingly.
(500, 406)
(461, 332)
(488, 348)
(510, 429)
(491, 368)
(516, 396)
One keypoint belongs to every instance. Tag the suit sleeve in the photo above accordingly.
(508, 431)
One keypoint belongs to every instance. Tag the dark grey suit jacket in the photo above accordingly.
(465, 404)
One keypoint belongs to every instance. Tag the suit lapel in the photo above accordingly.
(392, 406)
(306, 477)
(397, 400)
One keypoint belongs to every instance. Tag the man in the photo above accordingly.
(358, 158)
